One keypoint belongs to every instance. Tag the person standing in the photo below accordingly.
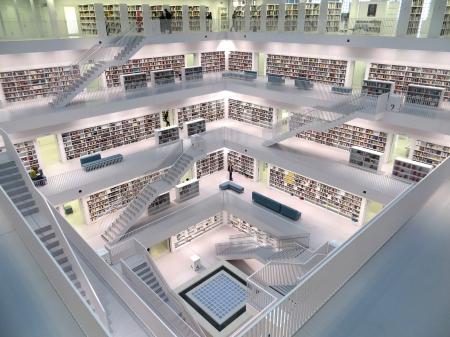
(168, 15)
(209, 22)
(233, 20)
(230, 171)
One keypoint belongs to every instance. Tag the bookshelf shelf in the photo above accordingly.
(22, 85)
(196, 230)
(250, 113)
(144, 65)
(187, 190)
(210, 111)
(240, 61)
(333, 16)
(213, 162)
(98, 138)
(259, 235)
(366, 159)
(424, 95)
(414, 17)
(404, 75)
(115, 197)
(445, 30)
(290, 17)
(134, 81)
(192, 73)
(27, 153)
(88, 22)
(312, 11)
(213, 61)
(135, 17)
(331, 198)
(326, 71)
(347, 135)
(163, 77)
(167, 135)
(112, 19)
(242, 164)
(196, 126)
(409, 170)
(430, 153)
(377, 87)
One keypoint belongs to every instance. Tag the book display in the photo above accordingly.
(346, 136)
(194, 17)
(366, 159)
(377, 87)
(88, 23)
(424, 95)
(213, 61)
(99, 138)
(312, 11)
(192, 73)
(404, 75)
(177, 18)
(250, 113)
(115, 197)
(161, 203)
(414, 17)
(167, 135)
(333, 16)
(430, 153)
(242, 164)
(187, 190)
(144, 65)
(212, 162)
(272, 18)
(240, 61)
(156, 11)
(112, 19)
(22, 85)
(27, 153)
(197, 230)
(163, 77)
(134, 81)
(260, 236)
(410, 170)
(290, 17)
(196, 126)
(334, 199)
(317, 70)
(135, 17)
(210, 111)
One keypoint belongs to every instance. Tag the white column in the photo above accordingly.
(349, 73)
(323, 14)
(124, 22)
(37, 18)
(436, 17)
(53, 17)
(62, 152)
(301, 17)
(403, 18)
(100, 20)
(185, 18)
(247, 17)
(227, 59)
(281, 16)
(362, 212)
(147, 19)
(263, 20)
(2, 26)
(203, 18)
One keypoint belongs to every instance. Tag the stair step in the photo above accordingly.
(30, 211)
(52, 245)
(62, 260)
(8, 171)
(57, 252)
(18, 191)
(25, 204)
(142, 265)
(47, 237)
(21, 197)
(13, 185)
(71, 275)
(43, 229)
(7, 165)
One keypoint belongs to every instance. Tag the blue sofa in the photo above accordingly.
(275, 79)
(229, 185)
(95, 161)
(303, 83)
(276, 206)
(341, 90)
(246, 75)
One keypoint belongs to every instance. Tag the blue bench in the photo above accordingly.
(94, 162)
(275, 79)
(246, 75)
(341, 90)
(250, 74)
(229, 185)
(276, 206)
(303, 83)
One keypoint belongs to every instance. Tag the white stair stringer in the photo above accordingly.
(139, 205)
(170, 306)
(318, 121)
(117, 53)
(41, 222)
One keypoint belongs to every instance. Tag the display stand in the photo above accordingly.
(364, 158)
(167, 135)
(409, 170)
(187, 190)
(196, 126)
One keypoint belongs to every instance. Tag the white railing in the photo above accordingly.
(297, 307)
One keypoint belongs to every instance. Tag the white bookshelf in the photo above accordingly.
(196, 231)
(163, 77)
(365, 159)
(211, 163)
(112, 19)
(102, 137)
(259, 235)
(312, 11)
(223, 17)
(27, 84)
(240, 61)
(177, 18)
(194, 17)
(242, 164)
(161, 203)
(377, 87)
(187, 190)
(272, 17)
(210, 111)
(409, 170)
(144, 65)
(88, 22)
(415, 16)
(424, 95)
(136, 17)
(116, 197)
(250, 113)
(331, 198)
(27, 153)
(347, 135)
(326, 71)
(333, 16)
(430, 153)
(134, 81)
(192, 73)
(156, 11)
(445, 30)
(213, 61)
(167, 135)
(196, 126)
(404, 75)
(290, 17)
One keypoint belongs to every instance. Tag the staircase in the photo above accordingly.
(96, 60)
(139, 205)
(145, 273)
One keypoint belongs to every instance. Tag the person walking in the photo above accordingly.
(233, 21)
(230, 171)
(169, 16)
